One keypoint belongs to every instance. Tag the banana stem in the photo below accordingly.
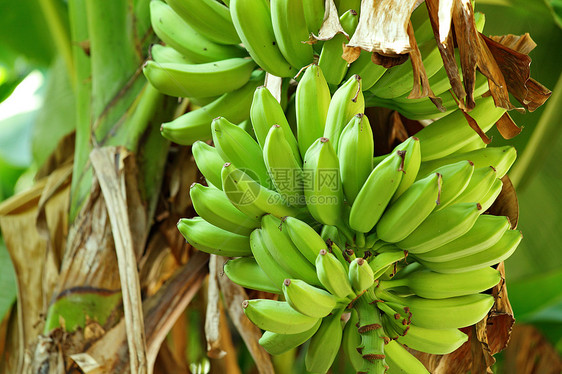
(372, 335)
(393, 283)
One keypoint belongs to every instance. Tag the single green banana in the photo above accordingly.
(266, 112)
(376, 193)
(480, 183)
(403, 216)
(305, 238)
(355, 153)
(331, 60)
(211, 239)
(209, 18)
(490, 256)
(246, 272)
(209, 163)
(265, 260)
(250, 197)
(237, 147)
(401, 361)
(279, 244)
(492, 194)
(383, 261)
(500, 158)
(453, 312)
(361, 275)
(325, 344)
(456, 178)
(290, 30)
(442, 227)
(448, 134)
(347, 101)
(284, 172)
(196, 124)
(161, 54)
(369, 72)
(312, 100)
(431, 285)
(307, 299)
(277, 316)
(178, 34)
(486, 232)
(313, 14)
(333, 275)
(433, 341)
(351, 341)
(277, 344)
(199, 80)
(411, 165)
(323, 190)
(252, 20)
(214, 207)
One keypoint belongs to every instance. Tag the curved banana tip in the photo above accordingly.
(193, 185)
(324, 140)
(360, 261)
(226, 164)
(470, 162)
(478, 206)
(287, 282)
(245, 304)
(323, 252)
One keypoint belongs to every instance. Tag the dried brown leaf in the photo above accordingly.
(506, 203)
(507, 128)
(500, 319)
(520, 43)
(474, 125)
(383, 27)
(212, 316)
(388, 61)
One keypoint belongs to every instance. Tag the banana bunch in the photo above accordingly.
(217, 55)
(310, 215)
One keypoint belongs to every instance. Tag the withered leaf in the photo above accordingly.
(383, 28)
(331, 24)
(506, 203)
(507, 128)
(501, 319)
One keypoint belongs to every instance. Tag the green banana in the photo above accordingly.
(432, 285)
(355, 153)
(331, 61)
(433, 341)
(361, 275)
(441, 227)
(236, 146)
(451, 133)
(312, 100)
(211, 239)
(246, 272)
(209, 18)
(307, 299)
(346, 102)
(411, 165)
(277, 316)
(400, 360)
(490, 256)
(453, 312)
(280, 246)
(250, 197)
(199, 80)
(402, 217)
(196, 124)
(351, 341)
(290, 30)
(284, 172)
(333, 275)
(500, 158)
(325, 344)
(213, 206)
(456, 178)
(376, 193)
(305, 238)
(480, 183)
(209, 163)
(266, 112)
(277, 344)
(178, 34)
(252, 20)
(492, 194)
(265, 260)
(369, 72)
(486, 232)
(160, 54)
(313, 14)
(324, 195)
(383, 261)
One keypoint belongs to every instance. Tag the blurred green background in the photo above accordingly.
(37, 109)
